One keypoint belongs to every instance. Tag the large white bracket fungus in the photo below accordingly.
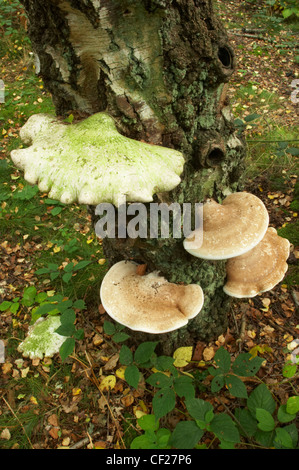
(260, 269)
(148, 303)
(91, 162)
(42, 340)
(231, 228)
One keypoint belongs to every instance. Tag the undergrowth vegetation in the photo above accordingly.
(52, 264)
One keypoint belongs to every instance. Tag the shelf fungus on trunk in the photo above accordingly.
(229, 229)
(260, 269)
(91, 162)
(42, 339)
(148, 302)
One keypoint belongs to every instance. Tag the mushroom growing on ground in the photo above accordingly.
(229, 229)
(260, 269)
(42, 340)
(91, 162)
(148, 303)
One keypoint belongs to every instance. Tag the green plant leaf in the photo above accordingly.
(224, 428)
(69, 268)
(163, 435)
(120, 336)
(184, 387)
(109, 328)
(199, 409)
(217, 383)
(125, 355)
(283, 439)
(67, 277)
(79, 304)
(132, 375)
(66, 329)
(222, 360)
(235, 386)
(248, 424)
(67, 348)
(81, 265)
(283, 416)
(186, 435)
(145, 351)
(5, 305)
(163, 402)
(145, 441)
(57, 210)
(148, 423)
(292, 406)
(14, 307)
(261, 398)
(246, 366)
(159, 380)
(68, 316)
(265, 420)
(289, 370)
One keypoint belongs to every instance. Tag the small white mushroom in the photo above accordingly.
(148, 303)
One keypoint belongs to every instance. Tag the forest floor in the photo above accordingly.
(50, 403)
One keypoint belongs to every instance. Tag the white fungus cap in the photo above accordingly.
(148, 303)
(90, 162)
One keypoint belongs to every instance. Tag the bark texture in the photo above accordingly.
(160, 68)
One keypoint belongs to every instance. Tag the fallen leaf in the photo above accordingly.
(107, 383)
(120, 373)
(5, 434)
(54, 433)
(208, 353)
(53, 420)
(112, 362)
(182, 356)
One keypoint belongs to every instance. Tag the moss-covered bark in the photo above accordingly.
(160, 68)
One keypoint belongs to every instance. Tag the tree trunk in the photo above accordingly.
(160, 68)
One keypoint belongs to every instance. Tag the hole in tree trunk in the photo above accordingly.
(215, 157)
(225, 57)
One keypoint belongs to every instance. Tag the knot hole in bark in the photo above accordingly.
(225, 57)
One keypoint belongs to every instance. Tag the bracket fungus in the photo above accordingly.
(91, 162)
(260, 269)
(148, 303)
(229, 229)
(42, 340)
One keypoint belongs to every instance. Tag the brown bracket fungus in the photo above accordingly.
(260, 269)
(229, 229)
(148, 303)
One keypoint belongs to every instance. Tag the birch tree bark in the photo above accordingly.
(161, 69)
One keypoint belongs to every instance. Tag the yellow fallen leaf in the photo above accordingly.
(76, 391)
(120, 373)
(139, 413)
(107, 383)
(182, 356)
(33, 400)
(56, 249)
(102, 261)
